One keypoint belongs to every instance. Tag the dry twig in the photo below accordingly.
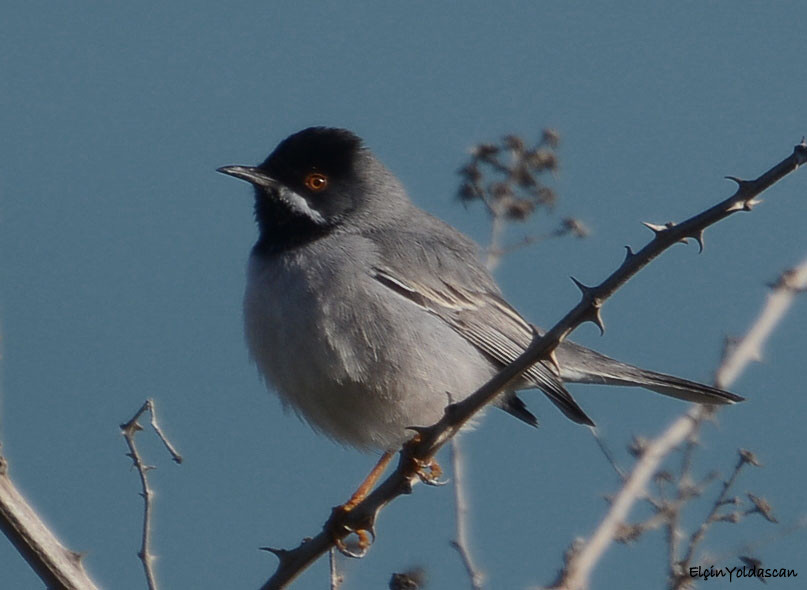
(129, 430)
(56, 566)
(461, 541)
(579, 565)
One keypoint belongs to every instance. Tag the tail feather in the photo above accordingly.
(691, 391)
(515, 406)
(582, 365)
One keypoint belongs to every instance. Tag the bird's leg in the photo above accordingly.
(364, 489)
(364, 536)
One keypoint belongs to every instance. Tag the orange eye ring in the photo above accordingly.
(316, 182)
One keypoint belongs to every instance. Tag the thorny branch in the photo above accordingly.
(422, 448)
(57, 566)
(581, 560)
(129, 430)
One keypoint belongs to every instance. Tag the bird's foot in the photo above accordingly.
(343, 534)
(364, 533)
(431, 473)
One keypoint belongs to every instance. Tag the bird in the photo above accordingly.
(368, 316)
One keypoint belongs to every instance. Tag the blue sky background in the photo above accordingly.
(123, 257)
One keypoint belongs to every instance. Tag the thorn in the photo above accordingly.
(735, 207)
(552, 359)
(751, 203)
(628, 254)
(420, 431)
(656, 229)
(600, 323)
(281, 554)
(698, 237)
(449, 411)
(406, 486)
(800, 151)
(585, 290)
(740, 182)
(594, 316)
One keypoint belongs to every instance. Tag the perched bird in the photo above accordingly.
(368, 315)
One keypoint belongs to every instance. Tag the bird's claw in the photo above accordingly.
(431, 473)
(364, 539)
(341, 531)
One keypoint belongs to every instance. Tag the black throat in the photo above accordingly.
(281, 230)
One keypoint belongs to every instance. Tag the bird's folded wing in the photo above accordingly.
(462, 294)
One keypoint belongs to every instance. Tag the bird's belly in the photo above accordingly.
(355, 371)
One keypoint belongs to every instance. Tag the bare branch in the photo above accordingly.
(422, 449)
(335, 577)
(712, 517)
(129, 430)
(462, 543)
(780, 299)
(578, 569)
(609, 456)
(57, 566)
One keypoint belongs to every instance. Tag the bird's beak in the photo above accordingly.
(252, 175)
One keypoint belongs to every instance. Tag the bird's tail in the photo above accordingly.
(582, 365)
(691, 391)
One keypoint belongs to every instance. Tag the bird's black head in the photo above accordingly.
(313, 182)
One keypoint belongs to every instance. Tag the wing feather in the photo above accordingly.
(490, 324)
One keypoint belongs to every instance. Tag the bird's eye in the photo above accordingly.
(316, 181)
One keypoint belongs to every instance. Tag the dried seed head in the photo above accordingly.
(748, 457)
(514, 142)
(637, 446)
(518, 209)
(762, 506)
(484, 150)
(543, 159)
(551, 138)
(467, 192)
(575, 227)
(500, 191)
